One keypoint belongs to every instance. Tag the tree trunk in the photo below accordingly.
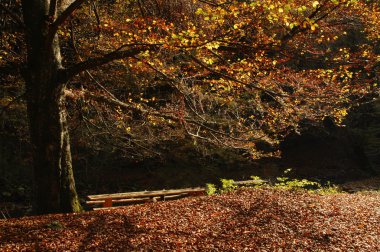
(53, 172)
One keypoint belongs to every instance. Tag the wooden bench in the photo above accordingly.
(102, 201)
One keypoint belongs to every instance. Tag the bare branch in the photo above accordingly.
(205, 124)
(137, 108)
(144, 110)
(141, 8)
(172, 82)
(196, 135)
(95, 9)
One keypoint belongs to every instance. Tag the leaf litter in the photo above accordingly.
(245, 220)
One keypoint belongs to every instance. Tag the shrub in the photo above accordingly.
(227, 185)
(211, 189)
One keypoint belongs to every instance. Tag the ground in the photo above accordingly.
(244, 220)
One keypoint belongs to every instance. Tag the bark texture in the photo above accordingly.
(53, 172)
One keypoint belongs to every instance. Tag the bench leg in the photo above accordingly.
(107, 203)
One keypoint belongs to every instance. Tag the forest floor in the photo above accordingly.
(262, 219)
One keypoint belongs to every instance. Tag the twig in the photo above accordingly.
(2, 213)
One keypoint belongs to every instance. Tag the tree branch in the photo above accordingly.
(228, 77)
(145, 110)
(298, 28)
(52, 9)
(95, 9)
(214, 4)
(172, 82)
(102, 60)
(63, 17)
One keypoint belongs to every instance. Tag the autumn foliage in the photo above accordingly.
(226, 72)
(233, 72)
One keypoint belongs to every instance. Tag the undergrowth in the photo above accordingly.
(283, 182)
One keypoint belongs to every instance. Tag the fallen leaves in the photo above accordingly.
(245, 220)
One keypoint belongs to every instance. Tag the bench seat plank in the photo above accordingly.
(133, 200)
(138, 200)
(144, 194)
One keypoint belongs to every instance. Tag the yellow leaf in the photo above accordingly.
(199, 11)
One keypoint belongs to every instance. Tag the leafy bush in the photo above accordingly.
(227, 185)
(328, 189)
(211, 189)
(285, 182)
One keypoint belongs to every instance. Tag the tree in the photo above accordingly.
(242, 70)
(45, 84)
(45, 81)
